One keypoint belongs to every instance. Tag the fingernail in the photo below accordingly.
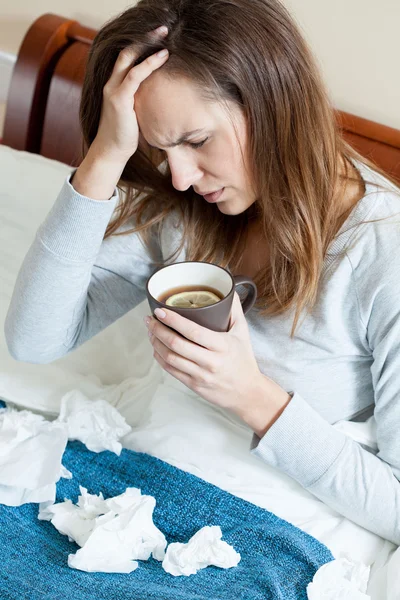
(162, 29)
(146, 320)
(162, 53)
(160, 313)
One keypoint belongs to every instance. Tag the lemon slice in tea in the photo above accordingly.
(192, 299)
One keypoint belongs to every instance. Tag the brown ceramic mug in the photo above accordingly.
(202, 274)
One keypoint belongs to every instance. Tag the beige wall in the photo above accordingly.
(357, 43)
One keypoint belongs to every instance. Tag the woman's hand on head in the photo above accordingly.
(118, 133)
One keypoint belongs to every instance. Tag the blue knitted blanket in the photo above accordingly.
(277, 559)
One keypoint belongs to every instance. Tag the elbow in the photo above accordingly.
(15, 348)
(30, 355)
(22, 353)
(23, 350)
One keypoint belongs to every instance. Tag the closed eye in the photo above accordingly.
(194, 145)
(199, 144)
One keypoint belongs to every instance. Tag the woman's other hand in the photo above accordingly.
(219, 367)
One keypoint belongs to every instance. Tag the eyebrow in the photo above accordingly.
(183, 138)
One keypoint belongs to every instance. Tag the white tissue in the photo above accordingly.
(203, 549)
(31, 449)
(112, 533)
(65, 473)
(94, 422)
(115, 533)
(69, 520)
(340, 579)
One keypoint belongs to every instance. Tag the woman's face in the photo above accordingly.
(165, 110)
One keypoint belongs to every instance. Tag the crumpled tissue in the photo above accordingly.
(112, 533)
(94, 422)
(204, 548)
(31, 449)
(340, 579)
(115, 533)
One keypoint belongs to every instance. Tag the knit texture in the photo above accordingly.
(278, 560)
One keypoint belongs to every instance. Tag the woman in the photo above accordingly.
(299, 211)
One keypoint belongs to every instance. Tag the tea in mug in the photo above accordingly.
(191, 296)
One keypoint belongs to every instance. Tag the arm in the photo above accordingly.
(336, 469)
(72, 284)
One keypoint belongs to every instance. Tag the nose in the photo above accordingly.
(184, 171)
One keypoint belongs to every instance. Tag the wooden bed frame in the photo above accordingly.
(43, 102)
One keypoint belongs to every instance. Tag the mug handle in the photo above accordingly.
(251, 297)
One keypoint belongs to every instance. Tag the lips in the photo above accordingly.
(214, 196)
(206, 193)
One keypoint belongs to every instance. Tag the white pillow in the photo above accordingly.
(30, 184)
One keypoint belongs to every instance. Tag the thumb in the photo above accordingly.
(237, 315)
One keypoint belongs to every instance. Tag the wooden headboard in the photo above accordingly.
(43, 102)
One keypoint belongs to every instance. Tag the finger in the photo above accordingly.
(237, 314)
(174, 360)
(139, 73)
(202, 336)
(182, 377)
(127, 57)
(176, 344)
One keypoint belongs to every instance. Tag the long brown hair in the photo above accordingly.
(250, 53)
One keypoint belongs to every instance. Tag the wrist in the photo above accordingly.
(266, 403)
(97, 175)
(98, 152)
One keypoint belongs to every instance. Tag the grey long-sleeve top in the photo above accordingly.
(343, 361)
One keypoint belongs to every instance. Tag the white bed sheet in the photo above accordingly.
(169, 421)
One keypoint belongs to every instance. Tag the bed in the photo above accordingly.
(36, 156)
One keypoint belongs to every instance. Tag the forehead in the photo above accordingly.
(163, 86)
(168, 106)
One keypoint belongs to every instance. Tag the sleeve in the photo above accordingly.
(72, 283)
(360, 485)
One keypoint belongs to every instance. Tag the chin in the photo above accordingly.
(229, 208)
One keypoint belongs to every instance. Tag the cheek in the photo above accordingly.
(221, 159)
